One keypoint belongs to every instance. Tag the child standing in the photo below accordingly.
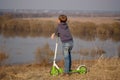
(63, 32)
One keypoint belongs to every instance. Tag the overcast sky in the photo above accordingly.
(109, 5)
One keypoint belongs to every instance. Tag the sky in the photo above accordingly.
(107, 5)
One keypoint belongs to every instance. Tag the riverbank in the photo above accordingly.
(102, 69)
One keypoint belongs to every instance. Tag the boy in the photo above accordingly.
(63, 32)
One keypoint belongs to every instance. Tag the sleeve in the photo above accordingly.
(57, 32)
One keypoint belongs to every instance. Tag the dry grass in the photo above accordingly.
(3, 56)
(43, 55)
(96, 20)
(106, 69)
(91, 51)
(103, 69)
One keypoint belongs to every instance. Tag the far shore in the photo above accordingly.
(96, 20)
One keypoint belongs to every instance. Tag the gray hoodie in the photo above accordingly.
(63, 32)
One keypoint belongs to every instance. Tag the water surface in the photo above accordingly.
(22, 49)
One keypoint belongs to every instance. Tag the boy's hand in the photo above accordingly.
(52, 36)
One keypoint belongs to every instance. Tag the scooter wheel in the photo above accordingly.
(82, 70)
(54, 71)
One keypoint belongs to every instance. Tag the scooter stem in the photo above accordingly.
(55, 50)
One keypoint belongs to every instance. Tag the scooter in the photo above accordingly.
(55, 70)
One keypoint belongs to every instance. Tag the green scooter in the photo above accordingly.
(55, 70)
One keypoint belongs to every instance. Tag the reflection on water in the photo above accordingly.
(26, 49)
(84, 36)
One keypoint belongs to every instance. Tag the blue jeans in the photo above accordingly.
(67, 47)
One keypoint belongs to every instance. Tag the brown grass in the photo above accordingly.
(44, 55)
(96, 20)
(3, 56)
(91, 51)
(102, 69)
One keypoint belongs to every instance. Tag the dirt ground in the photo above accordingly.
(102, 69)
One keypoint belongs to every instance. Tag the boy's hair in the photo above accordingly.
(62, 18)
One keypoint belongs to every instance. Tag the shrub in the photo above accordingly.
(105, 29)
(83, 30)
(116, 28)
(43, 55)
(3, 56)
(4, 18)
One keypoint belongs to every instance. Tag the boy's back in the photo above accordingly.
(64, 32)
